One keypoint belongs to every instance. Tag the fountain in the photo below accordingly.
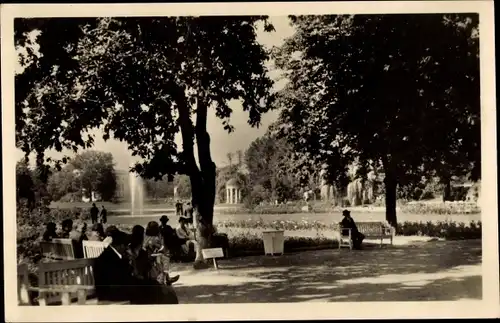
(136, 194)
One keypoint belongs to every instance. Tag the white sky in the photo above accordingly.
(221, 142)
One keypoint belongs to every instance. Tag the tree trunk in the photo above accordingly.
(203, 186)
(390, 201)
(391, 183)
(446, 189)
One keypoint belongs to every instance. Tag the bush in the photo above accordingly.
(447, 229)
(441, 208)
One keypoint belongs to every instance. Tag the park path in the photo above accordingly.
(411, 271)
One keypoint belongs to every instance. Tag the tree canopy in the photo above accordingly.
(400, 91)
(142, 80)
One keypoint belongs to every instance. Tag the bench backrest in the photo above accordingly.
(372, 228)
(60, 249)
(23, 284)
(68, 272)
(93, 249)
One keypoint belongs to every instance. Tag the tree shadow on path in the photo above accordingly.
(431, 271)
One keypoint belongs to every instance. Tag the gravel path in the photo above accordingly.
(413, 269)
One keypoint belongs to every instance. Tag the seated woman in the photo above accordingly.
(348, 223)
(154, 246)
(186, 235)
(50, 232)
(97, 232)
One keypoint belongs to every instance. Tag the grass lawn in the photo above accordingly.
(415, 271)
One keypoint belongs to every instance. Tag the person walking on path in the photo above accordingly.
(94, 213)
(103, 217)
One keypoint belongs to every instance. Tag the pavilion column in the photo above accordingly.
(231, 196)
(238, 200)
(227, 196)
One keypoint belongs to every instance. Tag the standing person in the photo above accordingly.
(94, 213)
(178, 208)
(188, 212)
(103, 217)
(153, 244)
(167, 232)
(348, 223)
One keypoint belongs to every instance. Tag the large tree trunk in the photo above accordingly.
(391, 184)
(203, 186)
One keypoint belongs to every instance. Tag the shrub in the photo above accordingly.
(441, 208)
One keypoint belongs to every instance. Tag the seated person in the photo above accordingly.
(78, 235)
(138, 257)
(168, 233)
(348, 223)
(185, 235)
(50, 232)
(153, 244)
(97, 233)
(66, 227)
(116, 280)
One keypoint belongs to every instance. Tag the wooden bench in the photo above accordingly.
(371, 230)
(62, 282)
(23, 285)
(93, 249)
(58, 249)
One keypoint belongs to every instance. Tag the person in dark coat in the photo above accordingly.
(94, 213)
(103, 217)
(66, 228)
(115, 280)
(348, 223)
(188, 212)
(50, 232)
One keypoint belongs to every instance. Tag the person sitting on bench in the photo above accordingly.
(115, 280)
(348, 223)
(50, 232)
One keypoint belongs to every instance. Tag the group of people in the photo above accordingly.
(98, 216)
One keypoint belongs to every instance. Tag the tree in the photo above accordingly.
(143, 79)
(96, 173)
(183, 185)
(64, 182)
(230, 158)
(25, 188)
(159, 188)
(397, 91)
(268, 161)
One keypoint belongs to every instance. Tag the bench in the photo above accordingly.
(58, 249)
(62, 282)
(23, 285)
(93, 249)
(371, 230)
(213, 253)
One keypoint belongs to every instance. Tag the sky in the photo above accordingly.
(222, 143)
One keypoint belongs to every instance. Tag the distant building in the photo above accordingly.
(122, 183)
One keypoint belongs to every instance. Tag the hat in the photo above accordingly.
(346, 212)
(164, 218)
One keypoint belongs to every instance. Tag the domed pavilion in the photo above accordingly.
(233, 191)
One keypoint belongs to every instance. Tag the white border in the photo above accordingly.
(488, 307)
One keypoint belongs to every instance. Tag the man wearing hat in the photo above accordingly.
(348, 223)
